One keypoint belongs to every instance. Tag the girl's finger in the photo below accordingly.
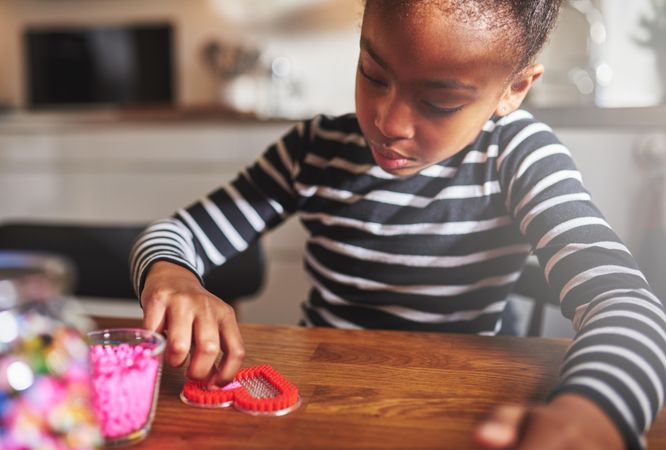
(179, 336)
(154, 315)
(233, 348)
(206, 348)
(502, 429)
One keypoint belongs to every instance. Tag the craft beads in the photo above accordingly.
(124, 380)
(45, 396)
(126, 368)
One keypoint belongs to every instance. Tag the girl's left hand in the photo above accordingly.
(569, 422)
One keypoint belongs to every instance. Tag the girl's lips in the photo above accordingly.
(388, 159)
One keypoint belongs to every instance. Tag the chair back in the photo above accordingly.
(100, 256)
(533, 286)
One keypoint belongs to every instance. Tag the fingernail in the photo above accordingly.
(496, 433)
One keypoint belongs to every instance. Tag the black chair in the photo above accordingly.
(100, 257)
(533, 286)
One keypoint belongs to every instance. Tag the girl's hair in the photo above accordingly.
(524, 24)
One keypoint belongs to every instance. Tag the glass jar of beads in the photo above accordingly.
(45, 389)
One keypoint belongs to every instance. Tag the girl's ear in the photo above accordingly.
(515, 92)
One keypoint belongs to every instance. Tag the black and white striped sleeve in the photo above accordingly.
(618, 357)
(225, 222)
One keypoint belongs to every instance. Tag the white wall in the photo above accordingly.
(604, 37)
(635, 80)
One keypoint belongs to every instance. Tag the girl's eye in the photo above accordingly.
(440, 110)
(371, 79)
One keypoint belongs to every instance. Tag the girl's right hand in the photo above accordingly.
(195, 322)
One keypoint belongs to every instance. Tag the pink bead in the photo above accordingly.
(123, 384)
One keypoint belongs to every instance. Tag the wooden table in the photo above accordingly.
(368, 390)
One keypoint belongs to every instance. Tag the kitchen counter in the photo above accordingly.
(71, 119)
(580, 117)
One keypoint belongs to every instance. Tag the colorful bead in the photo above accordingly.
(45, 396)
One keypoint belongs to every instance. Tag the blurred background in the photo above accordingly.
(120, 111)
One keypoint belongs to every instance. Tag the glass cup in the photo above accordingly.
(126, 368)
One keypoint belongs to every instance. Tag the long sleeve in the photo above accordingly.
(227, 221)
(618, 356)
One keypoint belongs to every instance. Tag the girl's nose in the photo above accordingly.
(394, 118)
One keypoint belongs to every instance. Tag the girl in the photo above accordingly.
(422, 208)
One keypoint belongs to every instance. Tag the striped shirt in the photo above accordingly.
(440, 250)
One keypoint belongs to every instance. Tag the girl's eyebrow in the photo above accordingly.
(365, 45)
(448, 83)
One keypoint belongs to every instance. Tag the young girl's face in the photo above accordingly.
(425, 85)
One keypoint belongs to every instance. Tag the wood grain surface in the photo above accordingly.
(368, 390)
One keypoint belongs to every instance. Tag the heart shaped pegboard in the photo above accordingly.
(257, 390)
